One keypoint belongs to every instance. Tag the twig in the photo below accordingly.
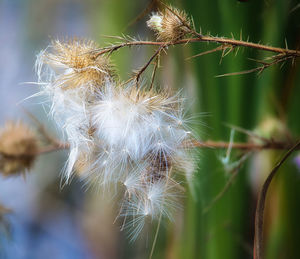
(259, 213)
(154, 72)
(272, 144)
(247, 132)
(283, 53)
(40, 151)
(142, 70)
(248, 146)
(49, 149)
(220, 40)
(207, 52)
(276, 59)
(41, 128)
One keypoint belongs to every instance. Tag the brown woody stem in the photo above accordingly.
(276, 145)
(202, 38)
(272, 145)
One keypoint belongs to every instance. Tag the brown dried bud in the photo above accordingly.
(18, 148)
(169, 25)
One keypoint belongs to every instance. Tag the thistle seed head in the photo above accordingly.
(18, 148)
(170, 24)
(116, 132)
(73, 64)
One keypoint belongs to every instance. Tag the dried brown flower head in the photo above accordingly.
(18, 148)
(75, 64)
(170, 24)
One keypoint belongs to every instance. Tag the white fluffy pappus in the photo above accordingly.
(69, 75)
(139, 121)
(144, 133)
(157, 199)
(72, 117)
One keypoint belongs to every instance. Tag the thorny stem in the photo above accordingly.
(202, 38)
(272, 144)
(40, 151)
(247, 146)
(156, 54)
(259, 213)
(282, 55)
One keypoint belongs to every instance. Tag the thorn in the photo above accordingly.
(295, 8)
(247, 132)
(258, 61)
(282, 64)
(237, 50)
(286, 45)
(223, 52)
(241, 73)
(262, 68)
(206, 52)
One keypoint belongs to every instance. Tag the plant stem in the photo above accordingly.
(275, 145)
(220, 40)
(259, 213)
(271, 145)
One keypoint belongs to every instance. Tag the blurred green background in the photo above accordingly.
(49, 222)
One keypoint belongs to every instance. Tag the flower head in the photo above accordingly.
(18, 147)
(73, 64)
(170, 24)
(119, 133)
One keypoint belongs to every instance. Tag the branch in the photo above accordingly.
(247, 146)
(259, 213)
(282, 54)
(220, 40)
(271, 144)
(53, 148)
(40, 151)
(142, 70)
